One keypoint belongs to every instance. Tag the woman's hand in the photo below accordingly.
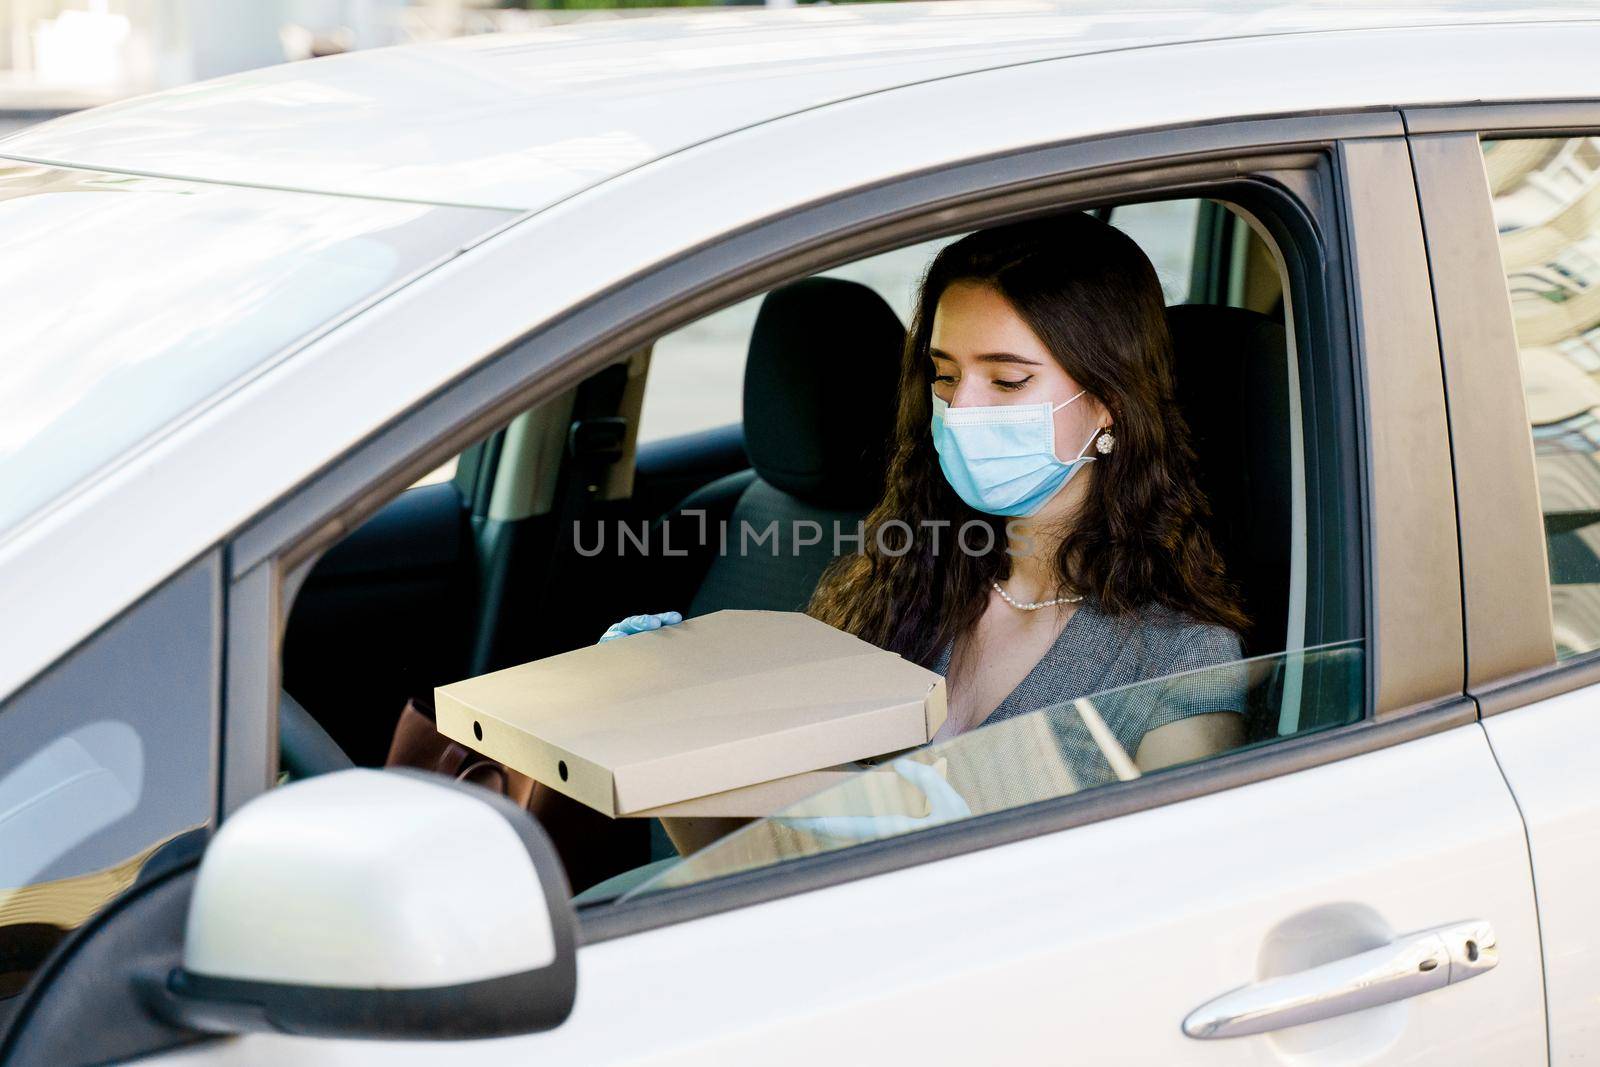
(638, 624)
(944, 805)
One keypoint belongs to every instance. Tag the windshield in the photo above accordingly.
(127, 301)
(1053, 752)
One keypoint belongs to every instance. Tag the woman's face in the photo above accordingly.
(985, 354)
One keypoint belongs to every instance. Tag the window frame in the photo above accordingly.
(1414, 664)
(190, 605)
(1506, 586)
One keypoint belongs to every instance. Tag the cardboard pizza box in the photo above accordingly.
(878, 789)
(739, 712)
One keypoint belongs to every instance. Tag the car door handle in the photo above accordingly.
(1407, 966)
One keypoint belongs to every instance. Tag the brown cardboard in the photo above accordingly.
(877, 789)
(713, 705)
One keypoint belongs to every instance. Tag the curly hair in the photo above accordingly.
(1092, 297)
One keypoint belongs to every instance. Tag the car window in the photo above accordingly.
(129, 301)
(1269, 415)
(696, 378)
(443, 473)
(1269, 426)
(1044, 755)
(1547, 210)
(1165, 229)
(103, 760)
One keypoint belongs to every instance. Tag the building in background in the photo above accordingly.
(58, 55)
(62, 55)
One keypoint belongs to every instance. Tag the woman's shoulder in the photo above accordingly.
(1173, 640)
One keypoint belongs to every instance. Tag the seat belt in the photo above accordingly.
(596, 440)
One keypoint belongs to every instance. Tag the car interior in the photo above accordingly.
(494, 563)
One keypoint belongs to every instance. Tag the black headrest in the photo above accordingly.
(821, 389)
(1233, 386)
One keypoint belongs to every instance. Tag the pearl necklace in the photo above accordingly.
(1034, 606)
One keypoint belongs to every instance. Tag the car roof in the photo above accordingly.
(522, 121)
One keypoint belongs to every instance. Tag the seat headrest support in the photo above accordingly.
(1233, 388)
(821, 391)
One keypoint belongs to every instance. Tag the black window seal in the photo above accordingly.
(1539, 684)
(1533, 118)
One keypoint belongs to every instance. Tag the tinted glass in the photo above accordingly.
(1547, 209)
(1165, 230)
(127, 301)
(1053, 752)
(696, 379)
(103, 760)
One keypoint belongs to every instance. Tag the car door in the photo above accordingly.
(1103, 924)
(1509, 201)
(1100, 943)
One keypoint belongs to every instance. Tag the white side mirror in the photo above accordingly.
(376, 904)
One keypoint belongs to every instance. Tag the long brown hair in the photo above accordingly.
(1091, 296)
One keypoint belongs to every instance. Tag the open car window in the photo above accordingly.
(1041, 756)
(697, 371)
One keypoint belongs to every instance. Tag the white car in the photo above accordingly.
(242, 321)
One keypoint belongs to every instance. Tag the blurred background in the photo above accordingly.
(61, 55)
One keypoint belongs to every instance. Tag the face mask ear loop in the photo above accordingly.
(1083, 452)
(1069, 400)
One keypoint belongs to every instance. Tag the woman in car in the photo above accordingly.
(1040, 537)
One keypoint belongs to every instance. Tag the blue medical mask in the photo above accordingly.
(1001, 459)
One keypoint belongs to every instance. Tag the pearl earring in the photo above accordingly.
(1105, 444)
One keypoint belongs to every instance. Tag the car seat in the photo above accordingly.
(821, 391)
(1233, 389)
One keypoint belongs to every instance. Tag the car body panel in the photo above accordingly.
(521, 121)
(194, 287)
(1504, 572)
(82, 562)
(1547, 751)
(1079, 946)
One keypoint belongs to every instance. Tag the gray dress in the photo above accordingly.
(1098, 655)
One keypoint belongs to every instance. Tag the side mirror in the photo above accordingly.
(376, 904)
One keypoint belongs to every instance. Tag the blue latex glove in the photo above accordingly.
(638, 624)
(944, 805)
